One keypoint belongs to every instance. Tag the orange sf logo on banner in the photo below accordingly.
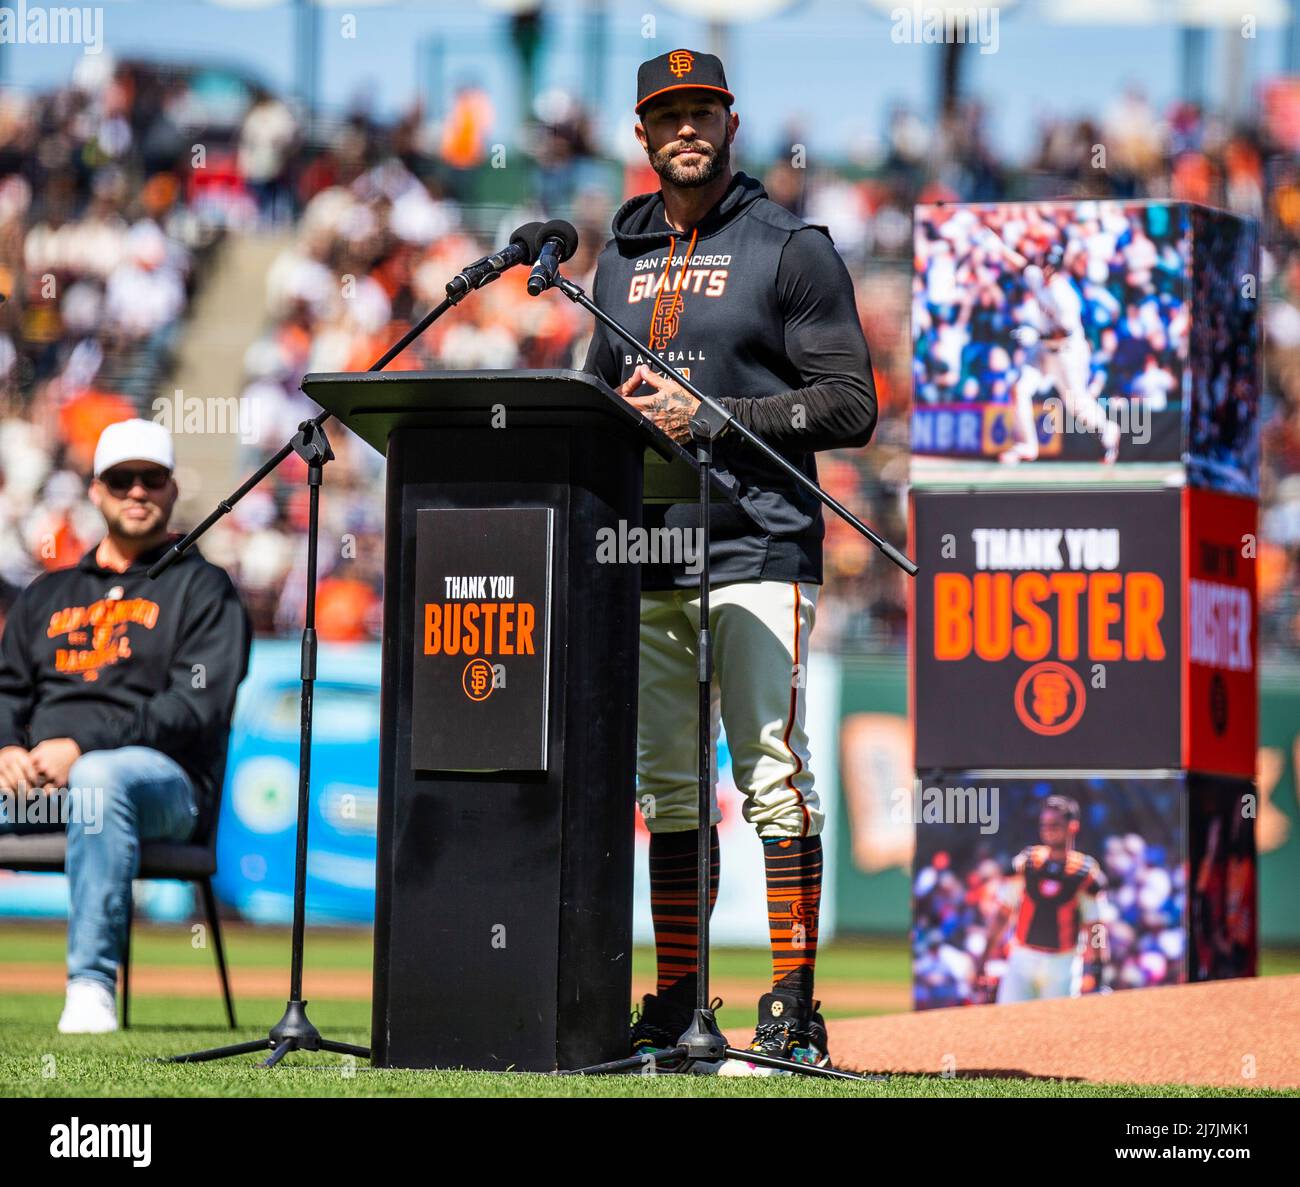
(476, 679)
(1050, 698)
(681, 62)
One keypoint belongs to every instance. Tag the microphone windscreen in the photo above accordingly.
(567, 233)
(529, 238)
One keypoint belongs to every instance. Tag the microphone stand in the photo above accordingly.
(711, 420)
(703, 1040)
(295, 1031)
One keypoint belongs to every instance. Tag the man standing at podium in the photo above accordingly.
(757, 308)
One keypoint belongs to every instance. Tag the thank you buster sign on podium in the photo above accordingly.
(483, 586)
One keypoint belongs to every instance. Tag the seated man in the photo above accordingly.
(119, 689)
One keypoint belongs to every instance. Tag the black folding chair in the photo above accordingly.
(193, 861)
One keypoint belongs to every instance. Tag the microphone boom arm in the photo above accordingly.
(711, 419)
(227, 505)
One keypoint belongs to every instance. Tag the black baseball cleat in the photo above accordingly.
(787, 1029)
(659, 1022)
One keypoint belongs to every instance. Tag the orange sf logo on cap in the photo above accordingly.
(681, 61)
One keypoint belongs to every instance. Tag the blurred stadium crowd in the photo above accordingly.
(110, 221)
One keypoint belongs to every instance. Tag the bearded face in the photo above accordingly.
(687, 138)
(691, 163)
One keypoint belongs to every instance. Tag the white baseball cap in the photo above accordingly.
(134, 441)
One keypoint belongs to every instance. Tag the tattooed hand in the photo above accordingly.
(670, 406)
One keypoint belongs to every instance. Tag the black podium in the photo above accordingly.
(503, 914)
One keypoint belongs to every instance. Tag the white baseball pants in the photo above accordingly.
(760, 635)
(1032, 974)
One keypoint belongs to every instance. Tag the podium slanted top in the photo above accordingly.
(375, 403)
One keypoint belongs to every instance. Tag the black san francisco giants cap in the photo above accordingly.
(679, 70)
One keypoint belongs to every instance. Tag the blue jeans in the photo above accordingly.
(120, 798)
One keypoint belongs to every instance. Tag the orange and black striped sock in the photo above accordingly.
(672, 905)
(794, 890)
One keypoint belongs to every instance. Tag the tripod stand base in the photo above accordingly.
(704, 1042)
(294, 1032)
(676, 1061)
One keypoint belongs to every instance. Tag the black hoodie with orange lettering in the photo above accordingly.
(756, 308)
(114, 659)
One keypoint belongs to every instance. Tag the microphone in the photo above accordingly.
(522, 249)
(559, 240)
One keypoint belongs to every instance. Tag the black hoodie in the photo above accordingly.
(761, 316)
(120, 659)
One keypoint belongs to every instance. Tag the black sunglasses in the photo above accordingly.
(122, 482)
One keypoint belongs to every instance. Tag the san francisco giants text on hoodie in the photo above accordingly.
(114, 659)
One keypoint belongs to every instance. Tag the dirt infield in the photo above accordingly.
(1243, 1034)
(343, 984)
(155, 981)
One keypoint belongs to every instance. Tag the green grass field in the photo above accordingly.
(36, 1061)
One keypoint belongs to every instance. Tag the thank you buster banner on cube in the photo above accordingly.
(481, 665)
(1221, 683)
(1048, 629)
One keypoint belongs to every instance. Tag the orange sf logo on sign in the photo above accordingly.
(680, 62)
(476, 679)
(1049, 698)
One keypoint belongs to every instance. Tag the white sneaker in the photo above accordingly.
(89, 1009)
(736, 1067)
